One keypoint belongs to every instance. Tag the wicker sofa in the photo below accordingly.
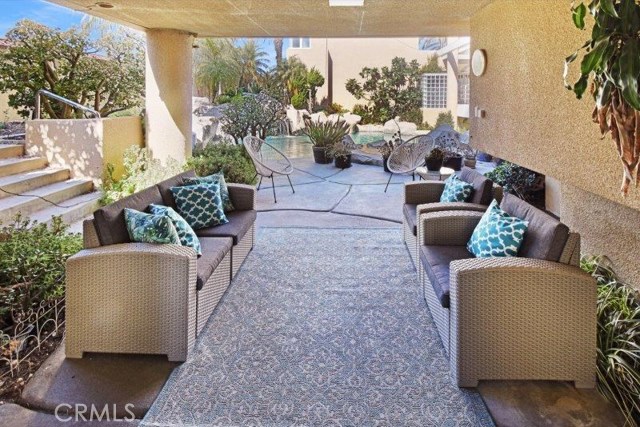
(125, 297)
(528, 317)
(424, 196)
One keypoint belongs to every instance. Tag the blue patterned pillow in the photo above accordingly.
(149, 228)
(216, 178)
(456, 190)
(200, 205)
(498, 234)
(185, 232)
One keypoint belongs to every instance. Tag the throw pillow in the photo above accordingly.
(216, 178)
(200, 205)
(456, 190)
(185, 232)
(149, 228)
(498, 234)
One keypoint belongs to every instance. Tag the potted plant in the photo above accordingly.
(324, 136)
(341, 155)
(387, 148)
(434, 159)
(453, 160)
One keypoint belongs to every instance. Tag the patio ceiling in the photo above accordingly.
(289, 18)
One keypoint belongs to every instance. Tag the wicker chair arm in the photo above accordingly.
(416, 193)
(242, 196)
(450, 206)
(521, 318)
(449, 228)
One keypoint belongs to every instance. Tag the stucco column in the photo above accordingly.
(169, 82)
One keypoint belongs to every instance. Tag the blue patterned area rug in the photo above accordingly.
(320, 328)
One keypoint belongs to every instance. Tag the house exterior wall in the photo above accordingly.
(339, 59)
(532, 120)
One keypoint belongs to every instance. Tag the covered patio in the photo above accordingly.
(326, 321)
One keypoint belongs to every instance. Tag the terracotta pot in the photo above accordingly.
(321, 156)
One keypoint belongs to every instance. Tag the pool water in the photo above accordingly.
(300, 146)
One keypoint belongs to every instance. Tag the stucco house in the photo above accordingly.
(340, 59)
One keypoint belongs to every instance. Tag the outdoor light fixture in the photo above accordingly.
(346, 3)
(104, 5)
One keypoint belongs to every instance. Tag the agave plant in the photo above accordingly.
(326, 134)
(610, 69)
(618, 352)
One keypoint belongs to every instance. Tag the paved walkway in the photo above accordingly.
(327, 197)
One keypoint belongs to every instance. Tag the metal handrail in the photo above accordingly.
(44, 92)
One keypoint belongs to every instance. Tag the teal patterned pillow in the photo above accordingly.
(498, 234)
(200, 205)
(149, 228)
(185, 232)
(456, 190)
(216, 178)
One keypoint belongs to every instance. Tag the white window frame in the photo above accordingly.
(435, 91)
(464, 89)
(301, 43)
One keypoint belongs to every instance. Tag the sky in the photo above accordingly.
(11, 11)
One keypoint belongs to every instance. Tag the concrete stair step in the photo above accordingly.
(42, 198)
(16, 165)
(23, 182)
(78, 208)
(11, 150)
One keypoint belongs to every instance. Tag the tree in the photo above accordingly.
(293, 83)
(433, 66)
(277, 45)
(215, 67)
(252, 61)
(106, 74)
(251, 114)
(389, 91)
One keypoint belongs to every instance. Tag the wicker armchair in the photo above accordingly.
(519, 318)
(424, 196)
(268, 161)
(408, 156)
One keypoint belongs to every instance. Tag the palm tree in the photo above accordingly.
(277, 44)
(252, 60)
(215, 66)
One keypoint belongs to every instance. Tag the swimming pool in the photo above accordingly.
(300, 146)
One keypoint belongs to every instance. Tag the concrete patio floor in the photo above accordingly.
(325, 197)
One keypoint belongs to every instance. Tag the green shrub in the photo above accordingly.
(522, 182)
(335, 108)
(32, 265)
(445, 118)
(231, 159)
(140, 171)
(413, 116)
(299, 101)
(618, 352)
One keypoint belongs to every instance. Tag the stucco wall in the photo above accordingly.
(531, 119)
(339, 59)
(84, 146)
(7, 114)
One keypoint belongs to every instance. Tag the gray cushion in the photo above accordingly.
(435, 260)
(213, 251)
(239, 223)
(109, 220)
(546, 236)
(482, 186)
(177, 181)
(412, 217)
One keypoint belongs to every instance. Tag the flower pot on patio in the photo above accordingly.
(321, 155)
(343, 162)
(470, 162)
(454, 162)
(433, 165)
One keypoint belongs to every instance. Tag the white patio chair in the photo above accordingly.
(268, 161)
(409, 156)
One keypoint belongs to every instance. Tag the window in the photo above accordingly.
(300, 43)
(463, 89)
(432, 43)
(434, 90)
